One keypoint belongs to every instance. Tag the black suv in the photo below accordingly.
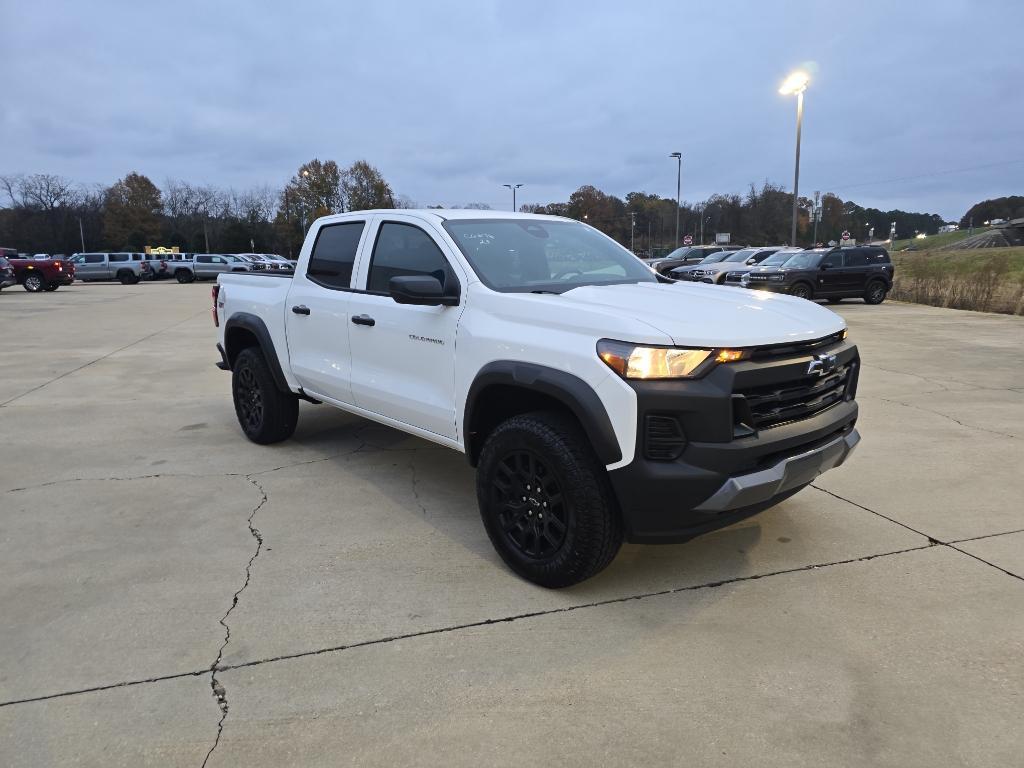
(685, 256)
(862, 271)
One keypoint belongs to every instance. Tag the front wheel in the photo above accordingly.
(34, 283)
(127, 277)
(876, 293)
(801, 291)
(545, 500)
(265, 413)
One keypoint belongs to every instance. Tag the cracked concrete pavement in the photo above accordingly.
(174, 595)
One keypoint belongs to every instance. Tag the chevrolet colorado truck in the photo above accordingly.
(598, 401)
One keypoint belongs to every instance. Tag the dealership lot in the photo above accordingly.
(874, 618)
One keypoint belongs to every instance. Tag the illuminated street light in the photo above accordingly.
(679, 175)
(513, 187)
(796, 83)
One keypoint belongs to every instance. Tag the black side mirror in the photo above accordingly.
(420, 289)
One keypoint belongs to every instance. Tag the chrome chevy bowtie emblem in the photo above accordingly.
(822, 364)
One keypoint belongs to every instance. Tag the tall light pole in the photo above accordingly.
(81, 232)
(796, 83)
(513, 187)
(679, 178)
(632, 232)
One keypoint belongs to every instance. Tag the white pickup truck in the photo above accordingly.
(598, 400)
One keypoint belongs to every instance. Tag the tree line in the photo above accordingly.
(48, 214)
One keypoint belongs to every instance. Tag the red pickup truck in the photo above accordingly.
(39, 274)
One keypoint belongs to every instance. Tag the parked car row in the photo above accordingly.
(129, 268)
(833, 273)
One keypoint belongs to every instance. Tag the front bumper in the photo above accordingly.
(727, 471)
(767, 286)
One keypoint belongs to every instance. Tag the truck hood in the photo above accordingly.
(697, 314)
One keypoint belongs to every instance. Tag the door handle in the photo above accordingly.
(300, 309)
(363, 320)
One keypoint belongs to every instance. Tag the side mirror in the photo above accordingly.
(751, 261)
(423, 290)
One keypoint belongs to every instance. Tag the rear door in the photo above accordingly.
(403, 356)
(115, 261)
(855, 273)
(831, 274)
(317, 311)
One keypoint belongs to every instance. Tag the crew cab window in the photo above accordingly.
(833, 260)
(204, 259)
(405, 249)
(334, 253)
(119, 257)
(136, 257)
(94, 258)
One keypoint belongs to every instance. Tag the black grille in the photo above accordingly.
(734, 277)
(790, 349)
(663, 438)
(776, 404)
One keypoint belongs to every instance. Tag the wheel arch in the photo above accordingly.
(505, 388)
(243, 330)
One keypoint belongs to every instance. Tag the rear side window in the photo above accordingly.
(878, 257)
(204, 259)
(334, 253)
(856, 258)
(94, 258)
(405, 249)
(136, 257)
(119, 257)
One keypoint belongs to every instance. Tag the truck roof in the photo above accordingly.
(446, 214)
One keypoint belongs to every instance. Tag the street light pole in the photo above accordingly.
(679, 180)
(513, 187)
(81, 233)
(796, 83)
(632, 232)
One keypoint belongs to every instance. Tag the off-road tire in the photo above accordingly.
(802, 291)
(127, 277)
(574, 486)
(875, 293)
(184, 276)
(265, 413)
(34, 283)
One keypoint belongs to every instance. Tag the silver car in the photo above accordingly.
(124, 266)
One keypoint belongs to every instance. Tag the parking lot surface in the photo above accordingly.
(343, 589)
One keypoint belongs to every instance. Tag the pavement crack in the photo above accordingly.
(219, 693)
(416, 490)
(932, 541)
(947, 416)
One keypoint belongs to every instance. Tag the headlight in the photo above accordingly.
(638, 362)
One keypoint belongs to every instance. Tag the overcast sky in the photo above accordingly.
(452, 99)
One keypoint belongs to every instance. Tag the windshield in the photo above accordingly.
(742, 255)
(778, 258)
(520, 255)
(805, 260)
(716, 257)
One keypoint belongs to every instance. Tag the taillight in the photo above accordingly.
(214, 292)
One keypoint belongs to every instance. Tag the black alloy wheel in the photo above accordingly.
(534, 518)
(875, 293)
(249, 399)
(801, 291)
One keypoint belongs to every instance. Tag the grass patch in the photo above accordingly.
(985, 280)
(937, 241)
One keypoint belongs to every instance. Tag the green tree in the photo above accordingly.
(132, 210)
(314, 191)
(364, 188)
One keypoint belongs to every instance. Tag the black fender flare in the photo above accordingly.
(255, 325)
(571, 391)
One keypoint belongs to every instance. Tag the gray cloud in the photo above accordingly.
(452, 99)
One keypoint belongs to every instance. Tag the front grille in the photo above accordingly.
(663, 438)
(734, 277)
(775, 404)
(791, 348)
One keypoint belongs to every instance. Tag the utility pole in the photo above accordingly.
(513, 187)
(816, 213)
(632, 232)
(679, 181)
(206, 235)
(81, 232)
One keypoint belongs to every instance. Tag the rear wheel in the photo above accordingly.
(184, 276)
(801, 291)
(876, 293)
(545, 500)
(127, 277)
(265, 413)
(34, 283)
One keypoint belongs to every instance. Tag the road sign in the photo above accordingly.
(688, 240)
(846, 236)
(723, 238)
